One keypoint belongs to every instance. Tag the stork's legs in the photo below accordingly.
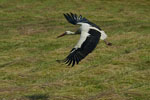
(107, 43)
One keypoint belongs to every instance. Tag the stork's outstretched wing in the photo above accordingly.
(74, 19)
(77, 54)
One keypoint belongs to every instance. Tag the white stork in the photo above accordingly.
(89, 38)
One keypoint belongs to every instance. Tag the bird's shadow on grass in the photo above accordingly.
(38, 97)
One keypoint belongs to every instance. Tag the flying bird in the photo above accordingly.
(90, 34)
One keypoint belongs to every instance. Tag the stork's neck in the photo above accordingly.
(69, 32)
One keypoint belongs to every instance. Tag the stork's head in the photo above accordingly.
(65, 33)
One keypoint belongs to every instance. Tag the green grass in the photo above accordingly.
(29, 50)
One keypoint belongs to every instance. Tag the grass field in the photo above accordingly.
(29, 50)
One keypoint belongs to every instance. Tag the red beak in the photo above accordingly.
(61, 35)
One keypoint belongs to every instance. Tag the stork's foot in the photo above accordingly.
(109, 44)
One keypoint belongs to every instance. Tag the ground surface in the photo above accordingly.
(29, 50)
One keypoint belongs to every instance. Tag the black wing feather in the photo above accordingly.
(70, 61)
(74, 19)
(73, 61)
(67, 61)
(76, 59)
